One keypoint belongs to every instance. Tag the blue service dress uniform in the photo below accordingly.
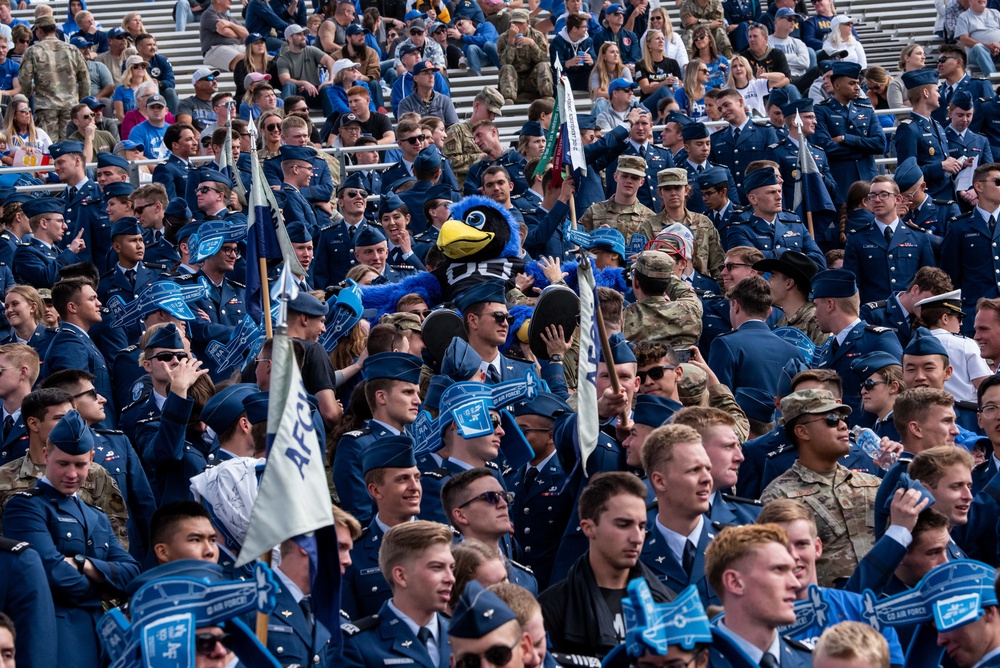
(319, 190)
(826, 224)
(751, 356)
(158, 249)
(39, 340)
(115, 453)
(294, 206)
(59, 526)
(861, 340)
(348, 476)
(933, 217)
(854, 158)
(978, 89)
(37, 264)
(364, 587)
(924, 139)
(729, 510)
(725, 653)
(659, 558)
(735, 153)
(173, 176)
(85, 210)
(385, 640)
(787, 233)
(968, 144)
(889, 313)
(115, 282)
(225, 306)
(695, 201)
(986, 121)
(882, 267)
(72, 348)
(510, 160)
(657, 159)
(25, 597)
(293, 639)
(15, 443)
(970, 254)
(334, 254)
(143, 408)
(433, 474)
(8, 244)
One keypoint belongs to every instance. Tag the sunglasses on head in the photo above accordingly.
(169, 356)
(492, 498)
(655, 373)
(415, 139)
(204, 643)
(498, 655)
(831, 419)
(870, 384)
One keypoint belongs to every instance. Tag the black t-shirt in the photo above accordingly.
(317, 371)
(773, 61)
(613, 599)
(661, 70)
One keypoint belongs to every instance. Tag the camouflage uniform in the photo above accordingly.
(804, 319)
(712, 11)
(56, 74)
(708, 252)
(459, 149)
(98, 490)
(525, 68)
(843, 501)
(674, 318)
(692, 392)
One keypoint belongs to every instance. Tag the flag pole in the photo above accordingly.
(265, 294)
(804, 146)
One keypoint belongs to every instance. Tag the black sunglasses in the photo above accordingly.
(351, 194)
(204, 643)
(139, 209)
(92, 393)
(492, 498)
(206, 142)
(499, 316)
(415, 139)
(655, 373)
(831, 419)
(870, 384)
(169, 356)
(271, 127)
(498, 655)
(205, 190)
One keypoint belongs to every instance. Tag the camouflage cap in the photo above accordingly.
(692, 386)
(45, 21)
(654, 264)
(673, 176)
(492, 98)
(401, 320)
(519, 16)
(632, 164)
(810, 402)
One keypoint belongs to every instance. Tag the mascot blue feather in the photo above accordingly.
(609, 277)
(383, 297)
(520, 314)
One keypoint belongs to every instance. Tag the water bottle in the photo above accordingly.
(519, 36)
(322, 75)
(870, 444)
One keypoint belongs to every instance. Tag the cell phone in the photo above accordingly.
(683, 355)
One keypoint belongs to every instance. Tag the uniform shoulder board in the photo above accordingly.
(795, 644)
(357, 433)
(575, 660)
(135, 403)
(364, 532)
(108, 274)
(906, 121)
(185, 277)
(109, 431)
(719, 526)
(236, 283)
(863, 102)
(147, 420)
(740, 499)
(13, 546)
(882, 303)
(879, 329)
(354, 628)
(437, 474)
(155, 265)
(492, 465)
(526, 569)
(31, 491)
(129, 349)
(981, 466)
(506, 470)
(916, 228)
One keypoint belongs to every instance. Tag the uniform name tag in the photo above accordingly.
(369, 571)
(396, 662)
(277, 628)
(68, 519)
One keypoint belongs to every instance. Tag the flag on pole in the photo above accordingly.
(588, 426)
(555, 126)
(226, 159)
(811, 193)
(572, 143)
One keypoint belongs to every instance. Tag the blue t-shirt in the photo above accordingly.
(151, 138)
(126, 96)
(8, 71)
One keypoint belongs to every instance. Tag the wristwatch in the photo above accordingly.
(80, 561)
(555, 358)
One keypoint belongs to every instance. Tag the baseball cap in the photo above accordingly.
(407, 48)
(344, 64)
(154, 100)
(423, 66)
(254, 77)
(293, 29)
(80, 42)
(621, 83)
(492, 98)
(128, 145)
(654, 264)
(203, 73)
(92, 102)
(355, 29)
(784, 12)
(810, 402)
(253, 37)
(417, 24)
(118, 33)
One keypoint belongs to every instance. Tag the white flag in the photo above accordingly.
(588, 427)
(575, 143)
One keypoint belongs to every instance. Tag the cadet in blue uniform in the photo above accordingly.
(131, 275)
(297, 165)
(395, 222)
(83, 202)
(295, 636)
(9, 241)
(479, 306)
(886, 254)
(540, 511)
(847, 129)
(427, 170)
(480, 621)
(640, 143)
(698, 145)
(37, 261)
(440, 197)
(851, 338)
(409, 627)
(334, 249)
(924, 138)
(963, 142)
(769, 229)
(62, 529)
(372, 248)
(391, 391)
(925, 215)
(874, 369)
(117, 197)
(25, 598)
(742, 142)
(174, 174)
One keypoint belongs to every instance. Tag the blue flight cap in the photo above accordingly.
(621, 83)
(756, 403)
(388, 452)
(488, 291)
(72, 435)
(792, 368)
(306, 153)
(299, 232)
(652, 410)
(834, 284)
(532, 129)
(125, 226)
(907, 174)
(429, 158)
(355, 180)
(166, 337)
(62, 148)
(216, 176)
(255, 404)
(478, 612)
(712, 176)
(866, 365)
(842, 68)
(546, 404)
(105, 159)
(435, 388)
(609, 239)
(778, 97)
(164, 296)
(693, 131)
(922, 77)
(924, 343)
(387, 203)
(460, 361)
(306, 303)
(759, 178)
(440, 191)
(39, 205)
(962, 100)
(620, 350)
(118, 189)
(677, 117)
(226, 406)
(187, 230)
(394, 366)
(369, 235)
(587, 122)
(803, 106)
(178, 208)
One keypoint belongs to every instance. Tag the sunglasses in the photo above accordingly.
(204, 643)
(417, 31)
(351, 194)
(208, 78)
(832, 420)
(498, 655)
(870, 384)
(169, 356)
(86, 117)
(140, 66)
(206, 142)
(204, 190)
(92, 393)
(995, 181)
(655, 373)
(415, 139)
(492, 498)
(272, 127)
(139, 209)
(500, 317)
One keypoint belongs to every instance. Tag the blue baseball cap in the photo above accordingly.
(614, 9)
(79, 42)
(833, 284)
(388, 452)
(423, 66)
(355, 29)
(72, 435)
(92, 102)
(394, 366)
(253, 37)
(621, 83)
(117, 33)
(784, 12)
(128, 145)
(226, 406)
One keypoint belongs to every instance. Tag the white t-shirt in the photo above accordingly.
(796, 53)
(754, 95)
(983, 27)
(966, 363)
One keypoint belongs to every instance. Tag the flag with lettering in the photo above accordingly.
(588, 425)
(811, 193)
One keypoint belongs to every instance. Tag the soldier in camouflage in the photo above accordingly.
(666, 308)
(459, 148)
(842, 500)
(623, 211)
(55, 73)
(699, 386)
(708, 13)
(524, 60)
(790, 277)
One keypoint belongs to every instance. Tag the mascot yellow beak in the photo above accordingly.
(457, 240)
